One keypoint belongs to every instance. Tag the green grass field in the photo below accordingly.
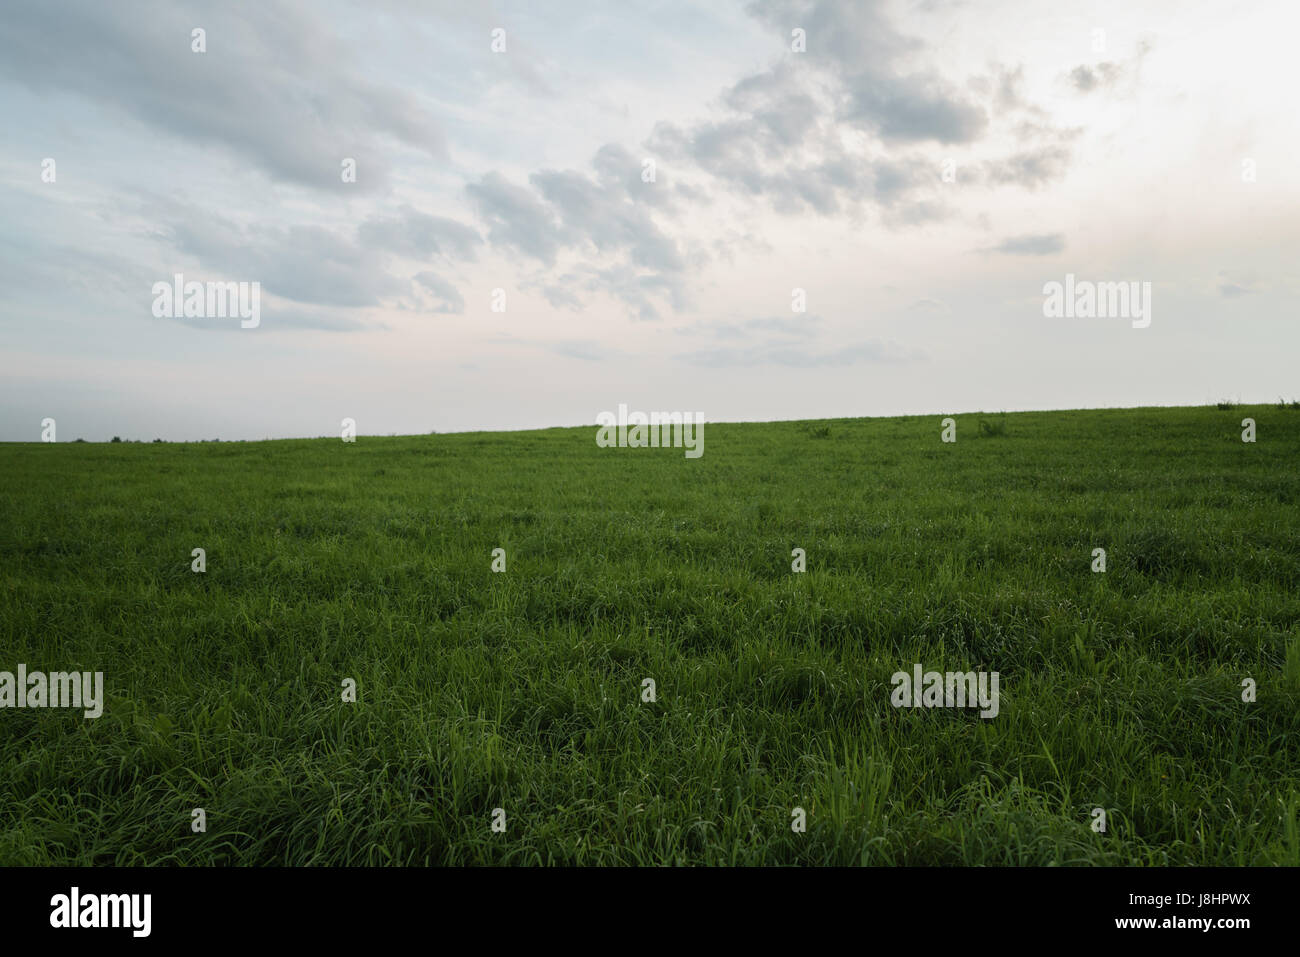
(523, 690)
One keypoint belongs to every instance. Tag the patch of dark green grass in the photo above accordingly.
(993, 428)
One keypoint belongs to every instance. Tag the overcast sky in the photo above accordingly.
(1153, 142)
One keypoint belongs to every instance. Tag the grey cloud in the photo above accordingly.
(569, 210)
(900, 107)
(891, 181)
(517, 218)
(274, 87)
(620, 172)
(728, 150)
(638, 290)
(1084, 78)
(732, 240)
(1109, 76)
(1037, 245)
(307, 264)
(106, 282)
(418, 235)
(1004, 89)
(692, 195)
(779, 139)
(916, 213)
(562, 297)
(843, 33)
(912, 108)
(601, 216)
(1009, 88)
(1028, 168)
(736, 153)
(446, 298)
(784, 113)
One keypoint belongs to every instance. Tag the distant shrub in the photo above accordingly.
(1226, 405)
(991, 428)
(117, 438)
(1284, 404)
(820, 432)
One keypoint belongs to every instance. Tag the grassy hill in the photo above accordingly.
(523, 690)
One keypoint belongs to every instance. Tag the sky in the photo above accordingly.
(781, 209)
